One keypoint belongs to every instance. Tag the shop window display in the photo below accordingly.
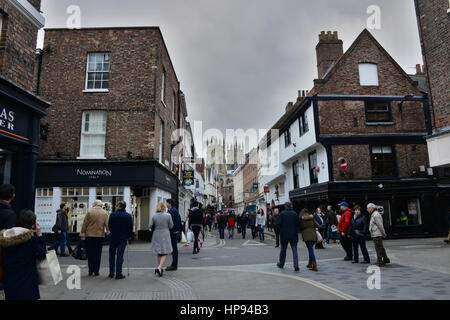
(407, 212)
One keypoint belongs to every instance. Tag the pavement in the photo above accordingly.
(245, 269)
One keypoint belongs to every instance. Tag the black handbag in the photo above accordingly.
(80, 252)
(55, 228)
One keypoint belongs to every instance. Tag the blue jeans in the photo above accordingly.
(260, 231)
(329, 233)
(61, 242)
(231, 232)
(116, 247)
(310, 246)
(284, 245)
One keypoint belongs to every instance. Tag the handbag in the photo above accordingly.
(183, 238)
(80, 252)
(319, 237)
(49, 271)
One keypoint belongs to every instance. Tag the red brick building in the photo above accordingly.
(116, 101)
(434, 26)
(20, 109)
(359, 136)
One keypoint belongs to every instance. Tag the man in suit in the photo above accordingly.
(175, 233)
(288, 223)
(121, 228)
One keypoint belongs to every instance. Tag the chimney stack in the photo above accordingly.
(328, 50)
(289, 107)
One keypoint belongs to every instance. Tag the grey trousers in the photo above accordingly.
(380, 250)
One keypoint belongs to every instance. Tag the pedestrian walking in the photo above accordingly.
(377, 233)
(196, 224)
(320, 219)
(244, 222)
(276, 227)
(21, 247)
(61, 228)
(222, 223)
(231, 221)
(288, 222)
(261, 222)
(344, 226)
(7, 214)
(308, 226)
(160, 224)
(93, 232)
(120, 226)
(269, 220)
(357, 232)
(175, 233)
(332, 225)
(252, 223)
(209, 221)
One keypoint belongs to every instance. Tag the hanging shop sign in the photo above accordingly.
(188, 177)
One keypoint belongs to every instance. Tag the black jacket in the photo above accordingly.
(358, 228)
(331, 218)
(221, 221)
(288, 222)
(196, 217)
(62, 221)
(19, 255)
(120, 225)
(7, 216)
(244, 221)
(176, 219)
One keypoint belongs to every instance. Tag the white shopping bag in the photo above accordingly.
(190, 236)
(183, 238)
(49, 271)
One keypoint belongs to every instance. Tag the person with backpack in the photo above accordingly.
(195, 224)
(358, 233)
(231, 221)
(61, 228)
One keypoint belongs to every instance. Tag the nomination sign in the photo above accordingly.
(14, 124)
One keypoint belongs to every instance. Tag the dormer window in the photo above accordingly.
(368, 74)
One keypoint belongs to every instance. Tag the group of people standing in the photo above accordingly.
(352, 226)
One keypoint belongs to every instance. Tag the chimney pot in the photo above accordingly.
(418, 69)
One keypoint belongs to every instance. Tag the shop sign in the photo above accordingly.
(188, 177)
(94, 174)
(14, 124)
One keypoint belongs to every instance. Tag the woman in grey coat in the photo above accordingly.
(161, 223)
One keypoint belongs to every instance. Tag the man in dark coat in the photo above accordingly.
(276, 228)
(7, 215)
(196, 223)
(331, 221)
(288, 222)
(121, 228)
(61, 227)
(175, 233)
(244, 222)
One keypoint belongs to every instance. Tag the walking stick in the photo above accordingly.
(128, 261)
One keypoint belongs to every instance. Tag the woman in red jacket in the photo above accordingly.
(344, 226)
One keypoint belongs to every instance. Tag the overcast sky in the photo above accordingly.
(240, 61)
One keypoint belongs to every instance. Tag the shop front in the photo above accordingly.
(20, 112)
(409, 208)
(141, 184)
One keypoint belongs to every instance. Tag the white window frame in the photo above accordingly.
(86, 89)
(161, 140)
(83, 134)
(367, 77)
(163, 87)
(174, 106)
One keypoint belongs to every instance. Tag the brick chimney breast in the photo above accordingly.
(328, 50)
